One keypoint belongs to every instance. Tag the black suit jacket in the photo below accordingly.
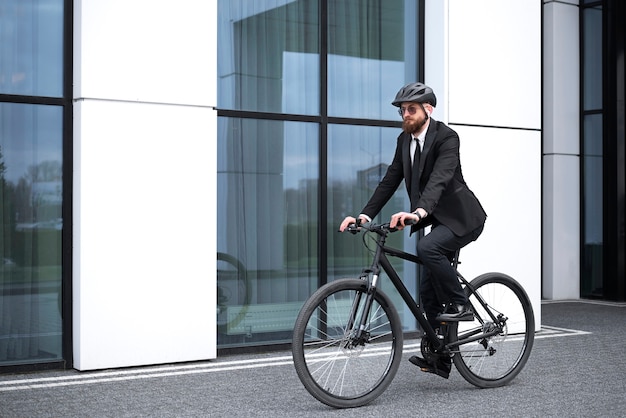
(437, 185)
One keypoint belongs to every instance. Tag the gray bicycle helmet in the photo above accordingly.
(415, 92)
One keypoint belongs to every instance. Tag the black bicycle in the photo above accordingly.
(348, 338)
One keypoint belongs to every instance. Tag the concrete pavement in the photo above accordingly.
(577, 368)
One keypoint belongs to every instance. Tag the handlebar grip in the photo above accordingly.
(407, 222)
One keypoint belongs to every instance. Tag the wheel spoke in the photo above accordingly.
(336, 367)
(495, 360)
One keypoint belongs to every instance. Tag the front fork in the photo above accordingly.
(360, 312)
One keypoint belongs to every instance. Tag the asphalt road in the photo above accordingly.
(577, 368)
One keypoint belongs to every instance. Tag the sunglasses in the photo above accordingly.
(411, 109)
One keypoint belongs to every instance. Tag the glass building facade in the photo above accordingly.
(603, 149)
(591, 150)
(306, 129)
(32, 110)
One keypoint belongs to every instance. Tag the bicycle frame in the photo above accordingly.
(381, 260)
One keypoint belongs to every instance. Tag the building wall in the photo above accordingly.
(144, 185)
(561, 155)
(486, 68)
(144, 182)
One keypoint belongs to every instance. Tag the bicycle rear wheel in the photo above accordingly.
(333, 367)
(495, 361)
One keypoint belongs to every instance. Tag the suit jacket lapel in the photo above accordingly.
(428, 142)
(406, 157)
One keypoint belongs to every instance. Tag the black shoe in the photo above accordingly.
(456, 312)
(441, 367)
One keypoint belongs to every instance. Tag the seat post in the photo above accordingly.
(455, 260)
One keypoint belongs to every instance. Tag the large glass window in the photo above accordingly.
(358, 157)
(306, 130)
(268, 181)
(372, 47)
(592, 277)
(268, 56)
(31, 47)
(30, 245)
(592, 154)
(592, 63)
(32, 108)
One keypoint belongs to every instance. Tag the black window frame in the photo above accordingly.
(613, 151)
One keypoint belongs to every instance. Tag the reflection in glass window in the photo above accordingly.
(592, 62)
(592, 135)
(31, 186)
(372, 52)
(267, 212)
(269, 60)
(358, 157)
(31, 47)
(268, 56)
(593, 246)
(592, 154)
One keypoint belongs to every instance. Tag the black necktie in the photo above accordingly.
(416, 155)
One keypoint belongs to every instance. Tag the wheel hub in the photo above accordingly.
(352, 347)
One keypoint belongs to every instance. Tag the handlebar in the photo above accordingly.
(383, 228)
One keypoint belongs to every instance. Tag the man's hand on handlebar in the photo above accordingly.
(349, 220)
(398, 221)
(401, 219)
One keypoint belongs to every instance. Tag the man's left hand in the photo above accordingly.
(399, 219)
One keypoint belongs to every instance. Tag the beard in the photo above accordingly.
(411, 126)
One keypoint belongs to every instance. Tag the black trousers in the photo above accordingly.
(439, 284)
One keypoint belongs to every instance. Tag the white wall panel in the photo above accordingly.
(483, 58)
(561, 79)
(503, 169)
(561, 212)
(144, 261)
(144, 274)
(436, 53)
(146, 50)
(494, 63)
(561, 216)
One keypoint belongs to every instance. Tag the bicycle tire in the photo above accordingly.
(234, 292)
(495, 361)
(337, 375)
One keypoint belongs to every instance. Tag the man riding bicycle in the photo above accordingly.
(427, 159)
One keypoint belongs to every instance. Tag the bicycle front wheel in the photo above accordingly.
(333, 366)
(494, 361)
